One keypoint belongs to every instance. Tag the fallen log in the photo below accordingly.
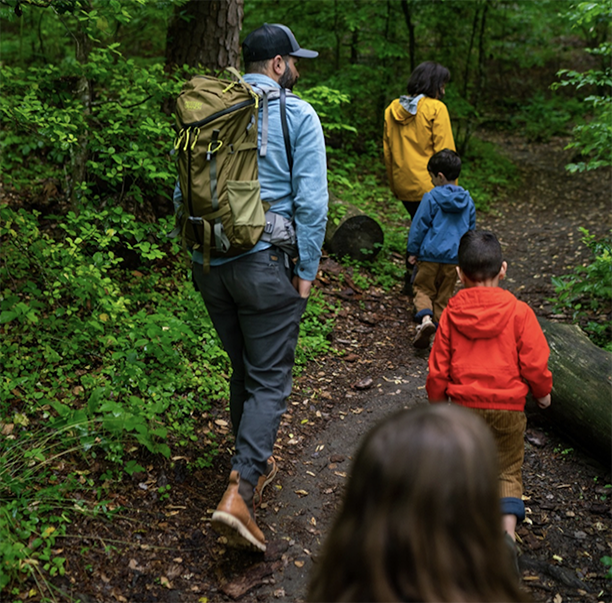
(351, 232)
(581, 406)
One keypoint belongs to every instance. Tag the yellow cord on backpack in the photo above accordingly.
(179, 139)
(213, 149)
(196, 134)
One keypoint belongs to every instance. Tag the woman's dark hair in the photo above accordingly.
(446, 162)
(480, 255)
(428, 78)
(420, 520)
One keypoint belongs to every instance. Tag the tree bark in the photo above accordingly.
(206, 33)
(411, 39)
(80, 152)
(581, 398)
(352, 233)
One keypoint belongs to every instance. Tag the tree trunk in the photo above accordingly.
(351, 232)
(411, 40)
(207, 33)
(581, 397)
(478, 96)
(80, 152)
(466, 75)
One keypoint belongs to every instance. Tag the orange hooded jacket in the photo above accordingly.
(488, 352)
(414, 131)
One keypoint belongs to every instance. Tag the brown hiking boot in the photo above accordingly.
(233, 520)
(264, 480)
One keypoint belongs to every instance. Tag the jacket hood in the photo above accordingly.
(481, 312)
(405, 108)
(451, 198)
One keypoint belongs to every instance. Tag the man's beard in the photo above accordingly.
(287, 80)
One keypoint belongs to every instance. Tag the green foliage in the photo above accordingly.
(592, 138)
(45, 32)
(127, 136)
(132, 350)
(36, 501)
(315, 329)
(586, 294)
(486, 173)
(543, 117)
(328, 103)
(369, 48)
(607, 562)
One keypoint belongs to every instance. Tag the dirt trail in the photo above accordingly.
(539, 225)
(174, 556)
(539, 232)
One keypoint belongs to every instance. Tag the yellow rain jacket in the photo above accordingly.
(415, 129)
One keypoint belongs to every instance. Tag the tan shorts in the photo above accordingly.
(508, 429)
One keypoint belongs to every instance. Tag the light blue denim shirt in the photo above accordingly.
(304, 197)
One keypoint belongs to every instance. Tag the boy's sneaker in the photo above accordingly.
(264, 480)
(423, 334)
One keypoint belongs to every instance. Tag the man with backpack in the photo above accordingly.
(256, 298)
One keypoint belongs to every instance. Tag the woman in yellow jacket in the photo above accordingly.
(416, 127)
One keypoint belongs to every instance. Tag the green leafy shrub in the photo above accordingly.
(586, 294)
(133, 348)
(592, 136)
(328, 104)
(542, 117)
(128, 138)
(315, 328)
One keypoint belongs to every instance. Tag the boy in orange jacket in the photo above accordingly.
(489, 351)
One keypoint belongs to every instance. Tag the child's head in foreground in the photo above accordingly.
(420, 520)
(480, 258)
(446, 162)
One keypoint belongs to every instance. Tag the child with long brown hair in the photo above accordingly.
(420, 518)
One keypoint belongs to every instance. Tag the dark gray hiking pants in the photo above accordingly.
(256, 312)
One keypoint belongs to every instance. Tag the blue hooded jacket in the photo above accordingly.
(444, 215)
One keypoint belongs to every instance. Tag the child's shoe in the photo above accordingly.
(423, 333)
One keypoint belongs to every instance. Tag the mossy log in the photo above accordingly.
(581, 406)
(351, 232)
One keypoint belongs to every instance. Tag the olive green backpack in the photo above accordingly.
(222, 213)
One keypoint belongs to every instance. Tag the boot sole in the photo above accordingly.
(236, 533)
(421, 341)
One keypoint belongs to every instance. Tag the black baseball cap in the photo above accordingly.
(267, 41)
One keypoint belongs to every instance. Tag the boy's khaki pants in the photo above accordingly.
(433, 286)
(508, 428)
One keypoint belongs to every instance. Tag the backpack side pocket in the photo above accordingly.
(244, 197)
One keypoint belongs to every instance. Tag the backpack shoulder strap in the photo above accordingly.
(270, 93)
(283, 113)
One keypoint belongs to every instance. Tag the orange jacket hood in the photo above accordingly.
(483, 314)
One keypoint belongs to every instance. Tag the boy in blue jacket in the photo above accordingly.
(444, 215)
